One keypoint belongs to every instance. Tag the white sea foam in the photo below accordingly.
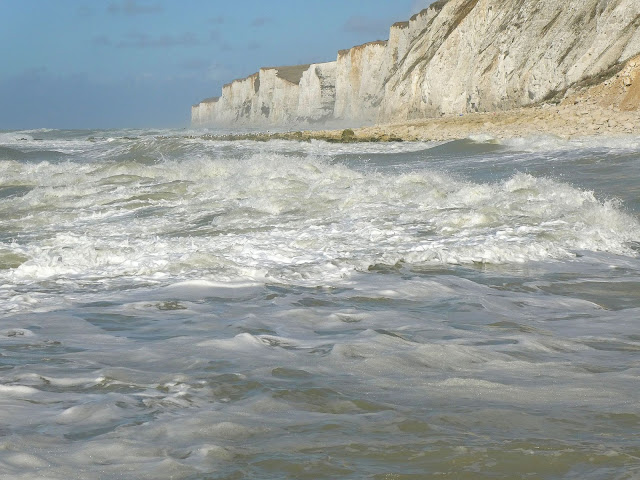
(12, 138)
(483, 138)
(330, 219)
(17, 390)
(547, 143)
(188, 308)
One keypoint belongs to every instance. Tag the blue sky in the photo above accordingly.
(142, 63)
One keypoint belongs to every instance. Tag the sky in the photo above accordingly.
(143, 63)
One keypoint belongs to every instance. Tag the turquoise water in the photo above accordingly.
(185, 308)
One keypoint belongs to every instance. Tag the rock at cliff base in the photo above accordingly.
(348, 135)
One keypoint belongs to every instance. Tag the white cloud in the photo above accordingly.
(142, 40)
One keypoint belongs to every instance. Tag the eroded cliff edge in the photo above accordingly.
(457, 56)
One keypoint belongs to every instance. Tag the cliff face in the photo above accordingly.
(317, 92)
(486, 55)
(360, 81)
(273, 96)
(456, 56)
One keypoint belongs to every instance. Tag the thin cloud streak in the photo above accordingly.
(142, 40)
(261, 21)
(372, 26)
(102, 41)
(134, 7)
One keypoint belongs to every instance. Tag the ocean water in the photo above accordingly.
(174, 307)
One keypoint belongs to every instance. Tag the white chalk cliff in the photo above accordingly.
(456, 56)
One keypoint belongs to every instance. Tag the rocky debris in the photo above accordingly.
(331, 136)
(347, 135)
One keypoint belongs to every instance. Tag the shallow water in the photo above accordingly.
(186, 308)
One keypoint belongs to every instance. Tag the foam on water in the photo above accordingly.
(187, 308)
(306, 219)
(543, 143)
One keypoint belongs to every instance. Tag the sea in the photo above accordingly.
(174, 306)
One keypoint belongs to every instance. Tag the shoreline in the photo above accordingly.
(610, 108)
(564, 121)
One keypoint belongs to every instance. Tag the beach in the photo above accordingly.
(573, 118)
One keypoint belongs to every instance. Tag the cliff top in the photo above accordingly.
(358, 47)
(435, 5)
(253, 75)
(206, 100)
(292, 73)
